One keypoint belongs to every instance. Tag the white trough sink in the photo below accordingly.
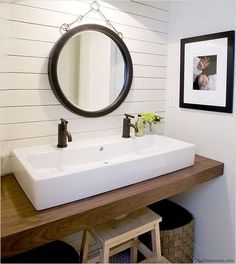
(51, 176)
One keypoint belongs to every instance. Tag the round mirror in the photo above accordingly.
(90, 70)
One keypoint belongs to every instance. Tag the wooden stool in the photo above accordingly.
(122, 233)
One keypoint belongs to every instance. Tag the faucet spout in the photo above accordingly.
(134, 126)
(69, 136)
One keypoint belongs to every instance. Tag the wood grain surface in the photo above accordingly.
(23, 228)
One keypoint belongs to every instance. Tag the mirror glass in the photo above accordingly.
(91, 70)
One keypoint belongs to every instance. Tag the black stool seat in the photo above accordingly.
(53, 252)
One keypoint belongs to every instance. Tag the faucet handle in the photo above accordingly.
(63, 121)
(129, 116)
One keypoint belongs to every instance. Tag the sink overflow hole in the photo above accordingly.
(101, 148)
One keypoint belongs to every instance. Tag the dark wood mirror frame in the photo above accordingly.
(53, 63)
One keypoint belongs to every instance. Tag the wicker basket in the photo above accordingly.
(177, 244)
(176, 231)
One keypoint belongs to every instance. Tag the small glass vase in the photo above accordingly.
(150, 128)
(154, 128)
(147, 128)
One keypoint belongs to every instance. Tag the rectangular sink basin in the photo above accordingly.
(51, 176)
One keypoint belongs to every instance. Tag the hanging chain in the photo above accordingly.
(94, 6)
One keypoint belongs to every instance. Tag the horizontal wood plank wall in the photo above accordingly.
(29, 110)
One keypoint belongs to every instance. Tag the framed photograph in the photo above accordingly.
(207, 72)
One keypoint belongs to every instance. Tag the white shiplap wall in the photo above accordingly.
(29, 111)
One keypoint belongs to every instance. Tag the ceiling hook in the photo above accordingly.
(95, 5)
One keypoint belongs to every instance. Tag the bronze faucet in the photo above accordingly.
(63, 134)
(127, 125)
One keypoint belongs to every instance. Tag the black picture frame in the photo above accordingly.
(209, 88)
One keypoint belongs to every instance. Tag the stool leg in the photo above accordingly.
(104, 253)
(134, 251)
(156, 242)
(84, 247)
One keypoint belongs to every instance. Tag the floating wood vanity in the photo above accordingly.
(24, 228)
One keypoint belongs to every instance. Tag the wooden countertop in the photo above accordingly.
(24, 228)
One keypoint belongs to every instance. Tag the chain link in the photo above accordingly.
(94, 6)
